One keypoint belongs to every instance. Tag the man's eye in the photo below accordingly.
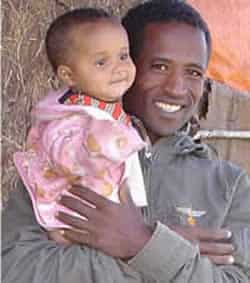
(100, 62)
(160, 67)
(195, 73)
(124, 56)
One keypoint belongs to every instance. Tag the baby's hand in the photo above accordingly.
(57, 236)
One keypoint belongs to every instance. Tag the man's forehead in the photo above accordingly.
(179, 41)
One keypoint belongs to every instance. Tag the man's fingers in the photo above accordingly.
(182, 231)
(75, 222)
(216, 248)
(221, 260)
(201, 234)
(211, 235)
(78, 206)
(125, 195)
(90, 196)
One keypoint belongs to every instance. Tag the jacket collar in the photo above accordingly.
(179, 143)
(115, 109)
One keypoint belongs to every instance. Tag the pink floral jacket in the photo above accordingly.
(77, 145)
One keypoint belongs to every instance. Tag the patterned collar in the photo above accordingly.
(114, 109)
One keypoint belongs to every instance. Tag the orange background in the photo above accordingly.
(229, 22)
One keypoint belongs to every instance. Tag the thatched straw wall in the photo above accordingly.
(26, 76)
(228, 113)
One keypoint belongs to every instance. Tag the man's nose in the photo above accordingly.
(175, 83)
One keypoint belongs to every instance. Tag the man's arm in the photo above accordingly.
(195, 268)
(166, 256)
(29, 257)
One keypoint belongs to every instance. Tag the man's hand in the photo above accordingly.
(116, 229)
(215, 244)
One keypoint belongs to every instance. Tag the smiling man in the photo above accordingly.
(170, 77)
(196, 227)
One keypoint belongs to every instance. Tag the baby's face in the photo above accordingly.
(102, 66)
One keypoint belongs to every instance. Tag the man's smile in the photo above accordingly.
(169, 108)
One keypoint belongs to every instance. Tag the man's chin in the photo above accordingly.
(157, 134)
(169, 132)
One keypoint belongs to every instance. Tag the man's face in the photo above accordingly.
(170, 77)
(101, 65)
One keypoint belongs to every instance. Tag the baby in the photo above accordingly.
(80, 135)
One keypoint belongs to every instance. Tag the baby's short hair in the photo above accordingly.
(57, 40)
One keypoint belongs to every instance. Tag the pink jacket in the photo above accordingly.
(77, 145)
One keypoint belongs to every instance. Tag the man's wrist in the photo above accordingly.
(140, 241)
(157, 257)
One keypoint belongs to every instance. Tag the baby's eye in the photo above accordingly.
(160, 67)
(124, 56)
(101, 62)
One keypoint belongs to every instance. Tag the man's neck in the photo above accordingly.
(153, 137)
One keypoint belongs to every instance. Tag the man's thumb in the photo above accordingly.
(125, 195)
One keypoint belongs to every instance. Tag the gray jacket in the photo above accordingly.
(178, 176)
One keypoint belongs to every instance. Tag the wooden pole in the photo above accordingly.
(222, 134)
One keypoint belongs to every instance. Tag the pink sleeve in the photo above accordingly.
(81, 141)
(62, 141)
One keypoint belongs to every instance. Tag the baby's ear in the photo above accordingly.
(65, 74)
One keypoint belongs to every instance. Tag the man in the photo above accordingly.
(186, 191)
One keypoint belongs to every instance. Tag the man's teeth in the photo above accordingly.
(168, 107)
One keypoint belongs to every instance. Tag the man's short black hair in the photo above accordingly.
(57, 40)
(161, 11)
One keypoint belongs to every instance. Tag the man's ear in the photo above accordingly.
(65, 74)
(204, 101)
